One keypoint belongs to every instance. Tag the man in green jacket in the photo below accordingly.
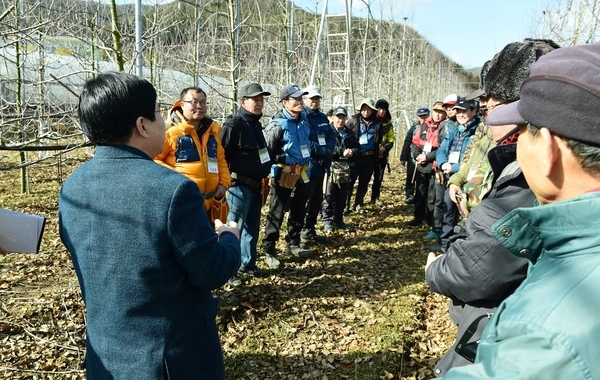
(549, 327)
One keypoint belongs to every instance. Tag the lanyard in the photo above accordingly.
(251, 132)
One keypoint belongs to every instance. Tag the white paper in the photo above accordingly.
(21, 232)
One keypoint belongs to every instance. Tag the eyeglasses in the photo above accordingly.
(298, 99)
(485, 110)
(195, 103)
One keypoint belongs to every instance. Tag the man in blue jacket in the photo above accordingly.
(322, 143)
(448, 158)
(144, 252)
(287, 138)
(549, 327)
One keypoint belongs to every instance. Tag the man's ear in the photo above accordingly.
(550, 146)
(140, 129)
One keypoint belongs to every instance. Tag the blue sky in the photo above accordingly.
(469, 32)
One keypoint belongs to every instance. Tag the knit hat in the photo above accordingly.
(562, 94)
(382, 103)
(501, 77)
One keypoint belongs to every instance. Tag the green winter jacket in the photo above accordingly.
(548, 328)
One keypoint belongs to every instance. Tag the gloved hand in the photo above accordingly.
(280, 159)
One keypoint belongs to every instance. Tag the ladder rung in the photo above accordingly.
(337, 35)
(338, 53)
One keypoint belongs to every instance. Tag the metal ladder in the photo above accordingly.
(337, 28)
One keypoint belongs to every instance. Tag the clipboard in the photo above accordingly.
(21, 232)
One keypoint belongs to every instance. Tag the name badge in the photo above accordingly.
(363, 140)
(472, 172)
(305, 151)
(427, 148)
(454, 157)
(213, 167)
(321, 139)
(264, 155)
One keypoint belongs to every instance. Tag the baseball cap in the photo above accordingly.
(450, 100)
(475, 94)
(313, 91)
(463, 104)
(562, 94)
(340, 111)
(291, 91)
(251, 90)
(438, 107)
(423, 111)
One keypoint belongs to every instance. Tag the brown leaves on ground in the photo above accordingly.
(359, 309)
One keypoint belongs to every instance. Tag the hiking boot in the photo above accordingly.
(342, 226)
(359, 209)
(378, 202)
(414, 222)
(328, 228)
(432, 235)
(234, 281)
(409, 200)
(252, 272)
(272, 261)
(347, 210)
(298, 250)
(308, 236)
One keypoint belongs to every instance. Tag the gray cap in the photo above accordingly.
(562, 94)
(251, 90)
(291, 91)
(313, 91)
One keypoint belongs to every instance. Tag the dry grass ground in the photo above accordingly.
(360, 309)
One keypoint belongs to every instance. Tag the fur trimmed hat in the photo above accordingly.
(502, 76)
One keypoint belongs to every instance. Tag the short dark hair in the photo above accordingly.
(188, 89)
(586, 154)
(110, 103)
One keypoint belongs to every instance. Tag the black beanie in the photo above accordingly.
(382, 103)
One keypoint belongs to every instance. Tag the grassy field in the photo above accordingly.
(359, 309)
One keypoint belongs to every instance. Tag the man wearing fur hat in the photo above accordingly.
(478, 272)
(549, 327)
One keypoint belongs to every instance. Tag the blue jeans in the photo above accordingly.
(244, 208)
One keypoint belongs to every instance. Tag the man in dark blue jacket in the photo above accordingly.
(322, 142)
(144, 252)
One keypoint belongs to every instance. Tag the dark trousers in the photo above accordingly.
(409, 189)
(361, 171)
(315, 201)
(378, 177)
(449, 220)
(279, 197)
(334, 202)
(438, 207)
(422, 184)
